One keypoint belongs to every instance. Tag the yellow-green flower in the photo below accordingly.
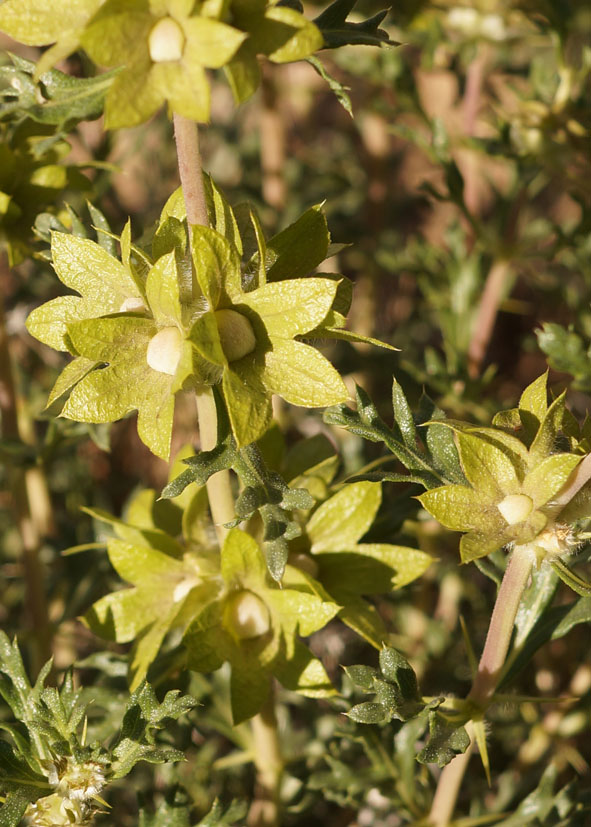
(255, 623)
(509, 499)
(165, 50)
(250, 339)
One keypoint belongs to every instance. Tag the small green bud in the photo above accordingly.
(164, 351)
(247, 616)
(236, 334)
(166, 41)
(516, 508)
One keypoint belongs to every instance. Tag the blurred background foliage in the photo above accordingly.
(462, 190)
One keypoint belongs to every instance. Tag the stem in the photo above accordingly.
(267, 750)
(265, 809)
(190, 170)
(491, 663)
(219, 489)
(35, 600)
(272, 143)
(486, 316)
(501, 625)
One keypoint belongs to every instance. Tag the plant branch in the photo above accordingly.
(486, 316)
(491, 663)
(219, 489)
(35, 599)
(265, 809)
(186, 135)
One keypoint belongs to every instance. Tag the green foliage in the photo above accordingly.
(48, 773)
(54, 98)
(464, 188)
(254, 625)
(397, 697)
(509, 500)
(32, 177)
(566, 351)
(338, 31)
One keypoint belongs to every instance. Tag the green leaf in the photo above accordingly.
(397, 670)
(342, 520)
(219, 815)
(337, 31)
(369, 713)
(300, 248)
(249, 407)
(567, 352)
(292, 308)
(56, 98)
(487, 467)
(362, 676)
(550, 426)
(216, 264)
(288, 35)
(533, 406)
(302, 375)
(35, 23)
(547, 478)
(403, 416)
(572, 580)
(335, 86)
(446, 740)
(13, 809)
(84, 266)
(461, 508)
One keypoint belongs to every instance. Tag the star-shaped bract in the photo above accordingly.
(165, 51)
(148, 359)
(511, 487)
(251, 337)
(255, 626)
(171, 580)
(282, 34)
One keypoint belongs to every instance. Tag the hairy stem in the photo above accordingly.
(186, 135)
(491, 663)
(35, 599)
(267, 750)
(265, 809)
(219, 489)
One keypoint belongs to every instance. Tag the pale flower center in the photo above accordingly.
(516, 508)
(236, 334)
(166, 41)
(164, 350)
(132, 304)
(247, 616)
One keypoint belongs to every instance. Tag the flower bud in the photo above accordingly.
(236, 334)
(247, 616)
(166, 41)
(516, 508)
(164, 350)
